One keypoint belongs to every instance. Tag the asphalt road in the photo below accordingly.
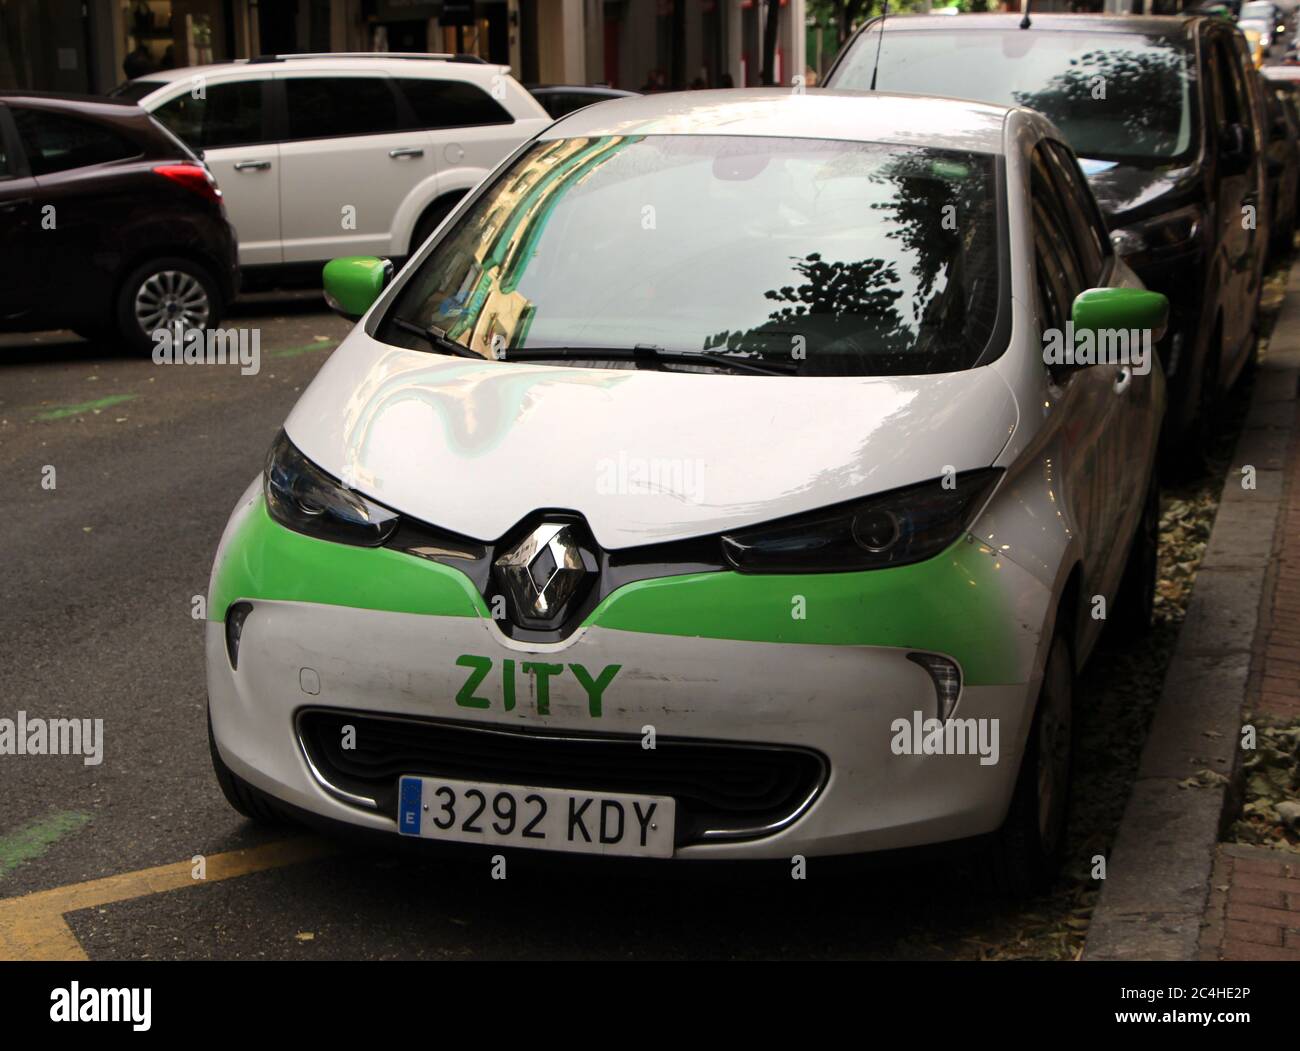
(99, 576)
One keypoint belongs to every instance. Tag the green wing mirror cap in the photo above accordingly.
(354, 282)
(1101, 309)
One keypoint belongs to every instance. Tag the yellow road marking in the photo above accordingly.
(32, 926)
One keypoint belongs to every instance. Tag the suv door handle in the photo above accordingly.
(13, 206)
(406, 151)
(252, 166)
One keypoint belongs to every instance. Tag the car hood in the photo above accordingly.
(1128, 192)
(644, 456)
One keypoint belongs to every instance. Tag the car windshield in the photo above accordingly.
(826, 257)
(1115, 96)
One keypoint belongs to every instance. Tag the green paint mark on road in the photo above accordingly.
(307, 348)
(62, 412)
(31, 841)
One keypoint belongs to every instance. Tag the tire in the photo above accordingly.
(178, 290)
(243, 797)
(1192, 459)
(430, 221)
(1130, 613)
(1027, 851)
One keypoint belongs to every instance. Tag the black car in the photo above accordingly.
(111, 225)
(1283, 163)
(1166, 116)
(559, 100)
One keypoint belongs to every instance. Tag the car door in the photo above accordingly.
(1257, 182)
(1088, 395)
(349, 159)
(22, 261)
(229, 121)
(1135, 424)
(81, 192)
(1242, 208)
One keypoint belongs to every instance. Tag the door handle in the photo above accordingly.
(13, 206)
(406, 151)
(1123, 378)
(252, 166)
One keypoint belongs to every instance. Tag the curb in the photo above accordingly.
(1160, 868)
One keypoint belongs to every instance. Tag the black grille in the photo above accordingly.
(722, 790)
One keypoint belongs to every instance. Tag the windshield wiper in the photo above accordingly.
(649, 356)
(437, 339)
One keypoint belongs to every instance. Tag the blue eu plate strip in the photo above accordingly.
(408, 811)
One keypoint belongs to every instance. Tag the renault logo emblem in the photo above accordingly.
(544, 572)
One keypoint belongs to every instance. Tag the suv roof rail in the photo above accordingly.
(434, 56)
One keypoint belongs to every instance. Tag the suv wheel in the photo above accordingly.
(164, 293)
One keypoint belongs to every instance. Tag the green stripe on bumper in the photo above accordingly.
(263, 560)
(959, 603)
(953, 603)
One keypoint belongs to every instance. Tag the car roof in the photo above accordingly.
(858, 116)
(67, 100)
(1150, 25)
(410, 65)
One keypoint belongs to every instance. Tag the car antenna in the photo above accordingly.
(1024, 22)
(879, 40)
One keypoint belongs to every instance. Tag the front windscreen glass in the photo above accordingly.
(824, 256)
(1115, 96)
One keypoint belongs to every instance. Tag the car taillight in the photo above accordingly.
(193, 177)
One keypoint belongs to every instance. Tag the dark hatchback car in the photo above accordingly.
(1166, 116)
(110, 224)
(559, 100)
(1283, 162)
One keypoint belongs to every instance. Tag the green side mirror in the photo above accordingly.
(353, 283)
(1121, 309)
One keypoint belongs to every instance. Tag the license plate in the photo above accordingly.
(538, 818)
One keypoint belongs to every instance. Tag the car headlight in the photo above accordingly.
(302, 497)
(1162, 235)
(891, 529)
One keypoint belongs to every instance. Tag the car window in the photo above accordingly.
(1090, 237)
(54, 142)
(839, 258)
(327, 107)
(228, 114)
(1231, 99)
(1115, 96)
(451, 103)
(1060, 274)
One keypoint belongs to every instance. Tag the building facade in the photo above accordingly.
(92, 45)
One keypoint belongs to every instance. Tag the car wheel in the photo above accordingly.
(1027, 850)
(1193, 458)
(429, 222)
(163, 293)
(243, 797)
(1135, 600)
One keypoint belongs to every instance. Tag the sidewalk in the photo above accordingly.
(1254, 903)
(1173, 891)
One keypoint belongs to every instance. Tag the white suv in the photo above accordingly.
(330, 155)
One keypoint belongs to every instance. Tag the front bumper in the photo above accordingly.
(714, 657)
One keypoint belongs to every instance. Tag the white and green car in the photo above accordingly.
(710, 485)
